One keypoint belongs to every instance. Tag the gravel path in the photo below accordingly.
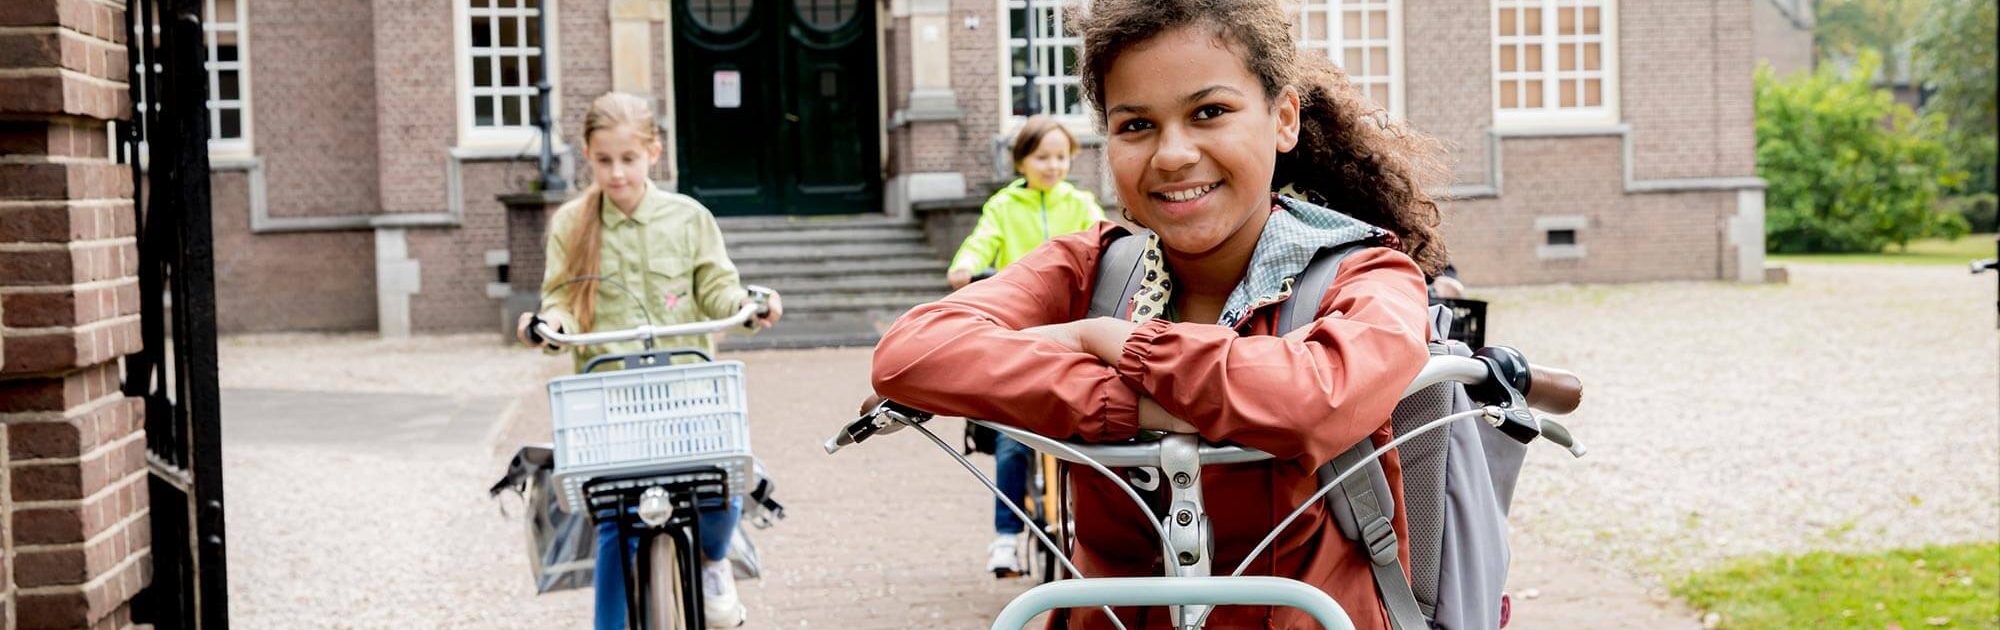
(1855, 408)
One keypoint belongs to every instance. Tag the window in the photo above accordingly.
(1363, 37)
(228, 78)
(225, 35)
(1555, 62)
(1054, 59)
(500, 63)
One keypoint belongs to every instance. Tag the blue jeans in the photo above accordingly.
(717, 523)
(1010, 472)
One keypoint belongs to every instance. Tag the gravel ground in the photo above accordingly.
(1853, 409)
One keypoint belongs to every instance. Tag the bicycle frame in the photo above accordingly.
(1187, 587)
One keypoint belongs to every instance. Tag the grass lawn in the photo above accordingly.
(1934, 251)
(1956, 586)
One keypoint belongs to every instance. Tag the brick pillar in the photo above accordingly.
(72, 471)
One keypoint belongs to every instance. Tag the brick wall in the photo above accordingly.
(312, 85)
(74, 542)
(416, 114)
(453, 261)
(287, 281)
(975, 67)
(1685, 67)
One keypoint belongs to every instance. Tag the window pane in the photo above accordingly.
(481, 4)
(1315, 25)
(228, 86)
(482, 111)
(482, 36)
(1378, 61)
(1072, 99)
(1566, 93)
(1566, 57)
(1509, 22)
(1069, 61)
(1379, 93)
(225, 52)
(1020, 62)
(1351, 61)
(482, 71)
(229, 124)
(225, 12)
(510, 111)
(1565, 21)
(1350, 27)
(1017, 21)
(534, 110)
(510, 32)
(1020, 97)
(531, 32)
(1510, 58)
(530, 4)
(534, 64)
(1592, 57)
(1378, 25)
(510, 71)
(1532, 57)
(1510, 94)
(1531, 21)
(1592, 96)
(1534, 94)
(1590, 25)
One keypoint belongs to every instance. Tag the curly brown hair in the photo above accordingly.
(1351, 156)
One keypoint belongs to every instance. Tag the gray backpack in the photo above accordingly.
(1457, 480)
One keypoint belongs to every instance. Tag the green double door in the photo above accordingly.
(776, 104)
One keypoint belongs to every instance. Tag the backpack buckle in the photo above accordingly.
(1380, 538)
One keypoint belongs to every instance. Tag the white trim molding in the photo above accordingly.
(453, 214)
(519, 138)
(1540, 37)
(1497, 137)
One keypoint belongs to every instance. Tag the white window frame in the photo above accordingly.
(1552, 114)
(1337, 42)
(524, 139)
(1079, 123)
(228, 147)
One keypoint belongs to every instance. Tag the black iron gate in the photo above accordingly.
(176, 372)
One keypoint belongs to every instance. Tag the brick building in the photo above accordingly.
(362, 145)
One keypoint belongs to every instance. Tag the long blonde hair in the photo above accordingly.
(614, 110)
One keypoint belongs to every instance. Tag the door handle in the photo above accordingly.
(790, 117)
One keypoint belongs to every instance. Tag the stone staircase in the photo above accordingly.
(844, 279)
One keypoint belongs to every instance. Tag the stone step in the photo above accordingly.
(826, 222)
(816, 236)
(788, 252)
(808, 332)
(872, 302)
(929, 282)
(754, 270)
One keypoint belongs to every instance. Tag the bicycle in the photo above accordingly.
(1506, 386)
(650, 444)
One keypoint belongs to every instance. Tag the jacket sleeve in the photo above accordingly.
(1308, 395)
(979, 248)
(717, 287)
(964, 355)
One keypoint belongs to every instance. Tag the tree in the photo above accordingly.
(1847, 27)
(1850, 169)
(1955, 52)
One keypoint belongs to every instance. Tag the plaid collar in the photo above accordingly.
(1296, 231)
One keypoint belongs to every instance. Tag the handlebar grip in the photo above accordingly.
(535, 336)
(1553, 390)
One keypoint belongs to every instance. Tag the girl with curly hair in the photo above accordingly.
(1240, 157)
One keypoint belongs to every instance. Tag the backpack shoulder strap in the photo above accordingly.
(1310, 287)
(1117, 275)
(1364, 502)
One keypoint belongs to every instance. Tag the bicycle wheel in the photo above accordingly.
(664, 592)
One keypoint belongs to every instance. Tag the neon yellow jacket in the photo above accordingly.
(1018, 219)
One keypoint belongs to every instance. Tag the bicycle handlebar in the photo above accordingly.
(1550, 389)
(743, 317)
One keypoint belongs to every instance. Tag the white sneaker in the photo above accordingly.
(1003, 557)
(719, 606)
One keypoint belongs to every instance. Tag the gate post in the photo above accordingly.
(75, 544)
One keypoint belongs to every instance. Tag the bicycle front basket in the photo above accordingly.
(649, 420)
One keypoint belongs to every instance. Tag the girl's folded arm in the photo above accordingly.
(966, 355)
(1310, 394)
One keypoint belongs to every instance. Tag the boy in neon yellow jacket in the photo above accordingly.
(1031, 210)
(1019, 218)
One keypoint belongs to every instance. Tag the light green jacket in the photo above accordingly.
(668, 253)
(1018, 218)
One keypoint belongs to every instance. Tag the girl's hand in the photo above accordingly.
(1153, 416)
(1064, 334)
(521, 332)
(958, 278)
(777, 310)
(1103, 337)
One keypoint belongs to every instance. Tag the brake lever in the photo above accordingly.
(887, 417)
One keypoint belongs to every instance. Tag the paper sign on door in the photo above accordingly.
(728, 89)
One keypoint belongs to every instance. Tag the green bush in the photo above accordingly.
(1850, 169)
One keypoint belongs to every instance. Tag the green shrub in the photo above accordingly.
(1850, 169)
